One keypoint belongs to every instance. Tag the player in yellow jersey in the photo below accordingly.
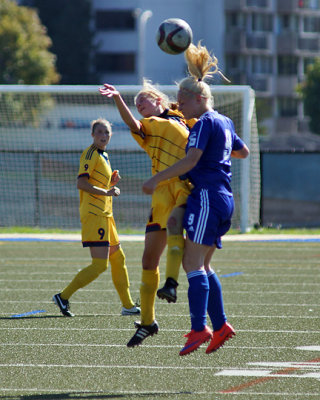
(96, 184)
(163, 134)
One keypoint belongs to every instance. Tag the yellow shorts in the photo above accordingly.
(166, 197)
(98, 231)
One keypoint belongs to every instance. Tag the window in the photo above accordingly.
(261, 23)
(311, 24)
(235, 69)
(257, 41)
(119, 20)
(235, 62)
(308, 44)
(232, 61)
(285, 21)
(287, 65)
(261, 65)
(310, 4)
(115, 62)
(288, 107)
(288, 23)
(234, 20)
(257, 3)
(264, 108)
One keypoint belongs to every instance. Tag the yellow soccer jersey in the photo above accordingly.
(163, 138)
(95, 164)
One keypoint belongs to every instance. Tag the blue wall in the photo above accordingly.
(290, 189)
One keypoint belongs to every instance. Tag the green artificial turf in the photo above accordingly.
(271, 295)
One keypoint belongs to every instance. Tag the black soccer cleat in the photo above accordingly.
(63, 305)
(143, 332)
(169, 291)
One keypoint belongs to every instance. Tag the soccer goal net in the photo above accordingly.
(44, 129)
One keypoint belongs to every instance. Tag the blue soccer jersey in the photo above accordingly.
(215, 135)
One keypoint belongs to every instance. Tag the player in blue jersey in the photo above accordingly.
(211, 144)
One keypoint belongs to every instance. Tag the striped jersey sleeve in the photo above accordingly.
(95, 165)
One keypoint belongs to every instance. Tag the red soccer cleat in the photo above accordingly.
(195, 340)
(220, 337)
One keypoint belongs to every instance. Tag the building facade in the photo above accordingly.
(267, 44)
(126, 37)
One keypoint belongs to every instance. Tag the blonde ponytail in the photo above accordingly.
(200, 62)
(201, 66)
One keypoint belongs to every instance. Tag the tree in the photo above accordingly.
(24, 59)
(68, 23)
(24, 54)
(309, 91)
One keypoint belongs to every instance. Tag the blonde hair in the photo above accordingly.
(201, 66)
(153, 92)
(101, 121)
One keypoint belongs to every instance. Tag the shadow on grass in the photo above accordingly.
(95, 396)
(12, 318)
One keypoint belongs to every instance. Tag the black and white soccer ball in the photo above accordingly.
(174, 36)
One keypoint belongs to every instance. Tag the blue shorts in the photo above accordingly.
(208, 217)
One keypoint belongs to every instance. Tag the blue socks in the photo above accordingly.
(215, 302)
(205, 295)
(198, 294)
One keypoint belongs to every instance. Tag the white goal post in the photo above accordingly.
(43, 130)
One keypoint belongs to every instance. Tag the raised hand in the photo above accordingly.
(115, 177)
(109, 90)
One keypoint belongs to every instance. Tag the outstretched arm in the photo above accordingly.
(126, 115)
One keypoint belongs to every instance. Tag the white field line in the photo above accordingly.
(143, 393)
(161, 367)
(265, 373)
(243, 264)
(268, 394)
(187, 315)
(182, 291)
(270, 263)
(140, 238)
(238, 316)
(225, 282)
(159, 315)
(281, 364)
(264, 331)
(99, 366)
(166, 304)
(219, 272)
(144, 346)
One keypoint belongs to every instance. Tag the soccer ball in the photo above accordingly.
(174, 36)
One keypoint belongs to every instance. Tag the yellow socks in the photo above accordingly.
(120, 277)
(85, 276)
(174, 256)
(148, 289)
